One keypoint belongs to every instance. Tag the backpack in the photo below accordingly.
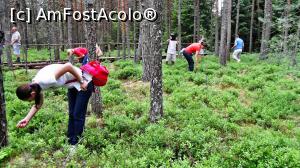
(98, 72)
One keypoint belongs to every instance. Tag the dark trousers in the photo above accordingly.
(189, 58)
(78, 102)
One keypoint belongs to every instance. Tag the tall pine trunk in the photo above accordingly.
(179, 25)
(217, 27)
(3, 121)
(146, 52)
(156, 111)
(228, 43)
(96, 99)
(56, 34)
(237, 19)
(286, 27)
(70, 26)
(196, 20)
(296, 49)
(251, 26)
(266, 33)
(223, 40)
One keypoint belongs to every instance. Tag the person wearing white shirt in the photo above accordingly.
(16, 42)
(80, 89)
(172, 49)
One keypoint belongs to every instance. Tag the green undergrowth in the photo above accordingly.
(243, 115)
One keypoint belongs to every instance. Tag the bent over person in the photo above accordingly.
(189, 51)
(59, 75)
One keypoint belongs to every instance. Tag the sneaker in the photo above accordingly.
(72, 150)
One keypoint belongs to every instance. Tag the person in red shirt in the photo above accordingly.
(83, 53)
(189, 51)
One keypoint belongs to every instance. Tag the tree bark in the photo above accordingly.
(266, 33)
(217, 28)
(96, 99)
(25, 27)
(70, 27)
(237, 18)
(8, 33)
(127, 26)
(56, 34)
(223, 40)
(118, 32)
(229, 7)
(123, 32)
(3, 121)
(296, 49)
(179, 25)
(196, 20)
(146, 52)
(156, 111)
(251, 26)
(286, 27)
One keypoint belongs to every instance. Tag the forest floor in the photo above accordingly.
(243, 115)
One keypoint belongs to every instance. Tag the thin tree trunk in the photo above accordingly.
(70, 27)
(134, 35)
(179, 25)
(237, 18)
(3, 121)
(217, 28)
(229, 7)
(251, 26)
(127, 25)
(286, 27)
(266, 30)
(118, 32)
(146, 52)
(96, 99)
(223, 34)
(123, 32)
(196, 20)
(156, 111)
(56, 34)
(35, 24)
(23, 7)
(296, 49)
(140, 40)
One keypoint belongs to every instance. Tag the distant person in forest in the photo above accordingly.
(190, 50)
(2, 39)
(172, 49)
(16, 42)
(238, 48)
(80, 89)
(83, 53)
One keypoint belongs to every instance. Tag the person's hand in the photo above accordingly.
(23, 123)
(84, 85)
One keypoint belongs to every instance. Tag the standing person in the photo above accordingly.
(172, 49)
(58, 75)
(189, 51)
(83, 53)
(2, 39)
(238, 48)
(16, 42)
